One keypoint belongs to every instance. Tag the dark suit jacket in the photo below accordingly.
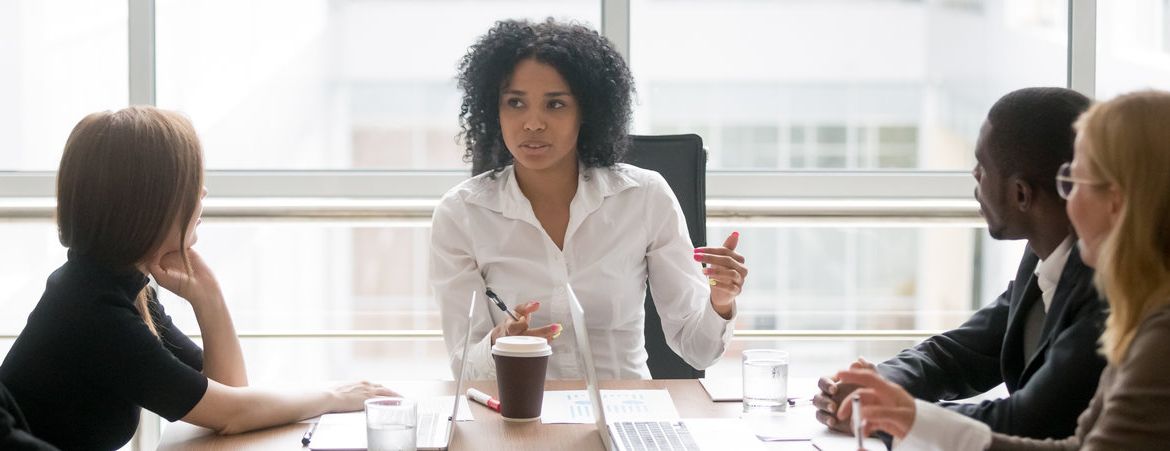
(1048, 389)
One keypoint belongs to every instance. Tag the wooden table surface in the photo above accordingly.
(488, 431)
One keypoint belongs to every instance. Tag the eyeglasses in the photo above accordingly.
(1065, 182)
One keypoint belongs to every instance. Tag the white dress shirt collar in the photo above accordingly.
(1048, 270)
(503, 194)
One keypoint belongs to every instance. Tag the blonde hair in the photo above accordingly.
(1129, 148)
(126, 178)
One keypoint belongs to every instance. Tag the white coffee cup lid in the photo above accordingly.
(521, 346)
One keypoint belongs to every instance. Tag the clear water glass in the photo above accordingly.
(765, 381)
(391, 424)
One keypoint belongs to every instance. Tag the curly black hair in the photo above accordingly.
(596, 73)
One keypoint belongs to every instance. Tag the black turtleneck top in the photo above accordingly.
(14, 434)
(85, 363)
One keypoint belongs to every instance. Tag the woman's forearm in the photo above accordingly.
(267, 408)
(223, 360)
(230, 410)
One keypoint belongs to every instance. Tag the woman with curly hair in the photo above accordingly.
(546, 108)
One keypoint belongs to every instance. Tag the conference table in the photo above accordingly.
(489, 431)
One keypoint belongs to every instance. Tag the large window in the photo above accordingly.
(1133, 46)
(843, 128)
(839, 84)
(62, 59)
(328, 84)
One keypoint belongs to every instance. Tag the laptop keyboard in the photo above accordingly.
(654, 435)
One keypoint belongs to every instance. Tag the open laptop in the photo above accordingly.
(435, 426)
(689, 434)
(434, 430)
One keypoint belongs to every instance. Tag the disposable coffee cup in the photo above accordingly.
(521, 362)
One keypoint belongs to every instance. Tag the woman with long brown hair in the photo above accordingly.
(99, 347)
(1118, 192)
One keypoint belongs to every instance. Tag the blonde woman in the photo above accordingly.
(1118, 191)
(99, 347)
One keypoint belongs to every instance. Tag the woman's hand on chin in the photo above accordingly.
(196, 287)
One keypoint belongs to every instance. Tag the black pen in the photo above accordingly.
(308, 437)
(500, 304)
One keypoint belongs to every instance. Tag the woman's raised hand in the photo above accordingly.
(725, 272)
(519, 326)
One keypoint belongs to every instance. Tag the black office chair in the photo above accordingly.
(682, 161)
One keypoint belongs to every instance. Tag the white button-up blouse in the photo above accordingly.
(625, 227)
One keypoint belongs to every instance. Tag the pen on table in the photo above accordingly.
(484, 399)
(308, 437)
(857, 422)
(500, 304)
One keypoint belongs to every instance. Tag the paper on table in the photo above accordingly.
(798, 424)
(729, 389)
(347, 431)
(573, 406)
(340, 431)
(828, 440)
(435, 404)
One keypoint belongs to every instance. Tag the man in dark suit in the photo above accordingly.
(1039, 338)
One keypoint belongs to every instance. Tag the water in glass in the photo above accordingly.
(391, 437)
(765, 381)
(390, 424)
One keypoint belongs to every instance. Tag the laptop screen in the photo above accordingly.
(585, 359)
(462, 370)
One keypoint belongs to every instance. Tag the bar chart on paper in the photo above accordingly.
(573, 406)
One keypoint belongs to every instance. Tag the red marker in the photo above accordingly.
(483, 398)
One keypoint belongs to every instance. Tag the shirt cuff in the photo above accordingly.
(483, 367)
(936, 428)
(712, 321)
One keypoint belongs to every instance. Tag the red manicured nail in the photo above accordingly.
(698, 258)
(735, 234)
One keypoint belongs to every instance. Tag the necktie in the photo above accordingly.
(1034, 323)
